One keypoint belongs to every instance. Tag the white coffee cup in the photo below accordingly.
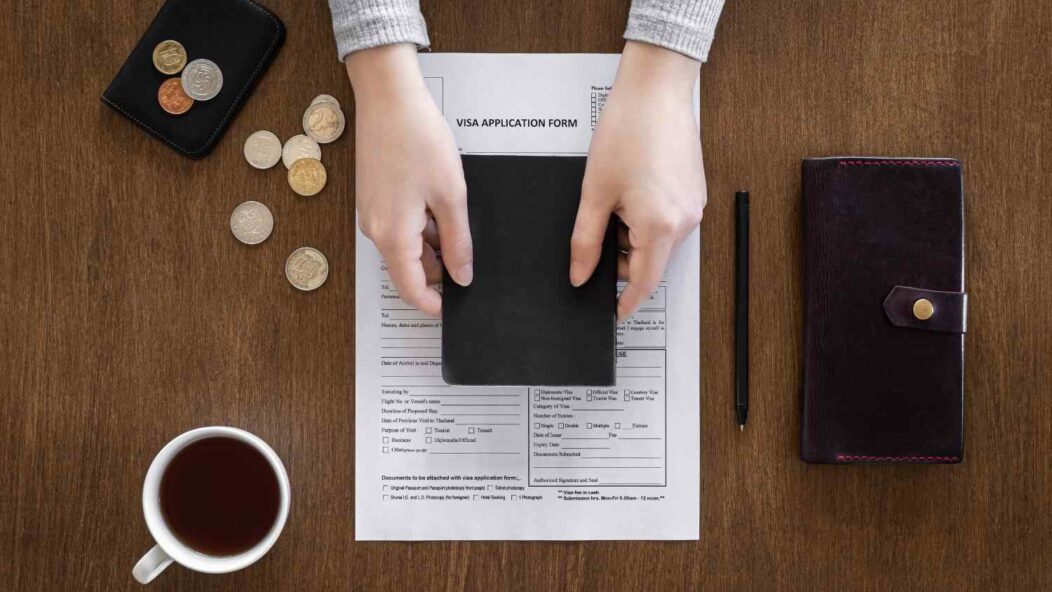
(168, 547)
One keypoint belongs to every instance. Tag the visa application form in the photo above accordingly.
(436, 461)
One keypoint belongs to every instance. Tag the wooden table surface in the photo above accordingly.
(129, 314)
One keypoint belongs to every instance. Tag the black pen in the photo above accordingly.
(741, 309)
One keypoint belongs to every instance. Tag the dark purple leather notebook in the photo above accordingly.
(885, 311)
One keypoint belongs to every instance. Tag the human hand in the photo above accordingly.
(645, 166)
(409, 182)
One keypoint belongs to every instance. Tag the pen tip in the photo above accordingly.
(741, 427)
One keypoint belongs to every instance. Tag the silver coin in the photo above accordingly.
(202, 80)
(326, 99)
(263, 149)
(251, 222)
(297, 147)
(307, 269)
(324, 122)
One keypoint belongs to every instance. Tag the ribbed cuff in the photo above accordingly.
(362, 24)
(684, 26)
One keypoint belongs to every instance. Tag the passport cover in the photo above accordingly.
(521, 322)
(240, 36)
(882, 384)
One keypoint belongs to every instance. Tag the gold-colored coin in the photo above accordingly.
(169, 57)
(307, 176)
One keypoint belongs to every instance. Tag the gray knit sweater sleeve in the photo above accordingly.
(685, 26)
(361, 24)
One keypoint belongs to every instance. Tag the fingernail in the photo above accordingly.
(464, 275)
(575, 275)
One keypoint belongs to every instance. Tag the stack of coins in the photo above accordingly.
(201, 80)
(251, 223)
(323, 120)
(323, 123)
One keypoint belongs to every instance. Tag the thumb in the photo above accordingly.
(454, 235)
(586, 243)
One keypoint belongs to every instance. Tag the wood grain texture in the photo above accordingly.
(128, 313)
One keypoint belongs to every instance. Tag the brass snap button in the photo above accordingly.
(923, 309)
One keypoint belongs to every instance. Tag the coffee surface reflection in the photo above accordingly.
(220, 496)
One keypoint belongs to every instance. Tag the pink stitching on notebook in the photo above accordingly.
(897, 458)
(948, 163)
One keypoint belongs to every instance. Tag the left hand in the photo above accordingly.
(645, 166)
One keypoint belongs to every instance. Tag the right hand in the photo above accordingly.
(408, 175)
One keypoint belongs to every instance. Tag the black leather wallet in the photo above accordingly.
(240, 36)
(885, 311)
(521, 322)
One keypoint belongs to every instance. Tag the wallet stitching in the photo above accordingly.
(233, 106)
(850, 457)
(947, 163)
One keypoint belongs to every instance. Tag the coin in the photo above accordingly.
(251, 222)
(306, 269)
(169, 57)
(325, 99)
(324, 122)
(262, 149)
(307, 176)
(202, 80)
(172, 98)
(297, 147)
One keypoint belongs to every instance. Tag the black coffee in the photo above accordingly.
(220, 496)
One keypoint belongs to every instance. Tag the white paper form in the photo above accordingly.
(435, 461)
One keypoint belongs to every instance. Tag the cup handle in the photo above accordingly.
(151, 565)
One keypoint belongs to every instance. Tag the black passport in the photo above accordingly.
(521, 322)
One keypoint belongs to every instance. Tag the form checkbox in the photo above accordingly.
(471, 430)
(386, 450)
(427, 440)
(386, 498)
(627, 398)
(589, 397)
(536, 426)
(427, 430)
(514, 497)
(536, 397)
(589, 426)
(475, 497)
(489, 488)
(617, 426)
(560, 426)
(386, 440)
